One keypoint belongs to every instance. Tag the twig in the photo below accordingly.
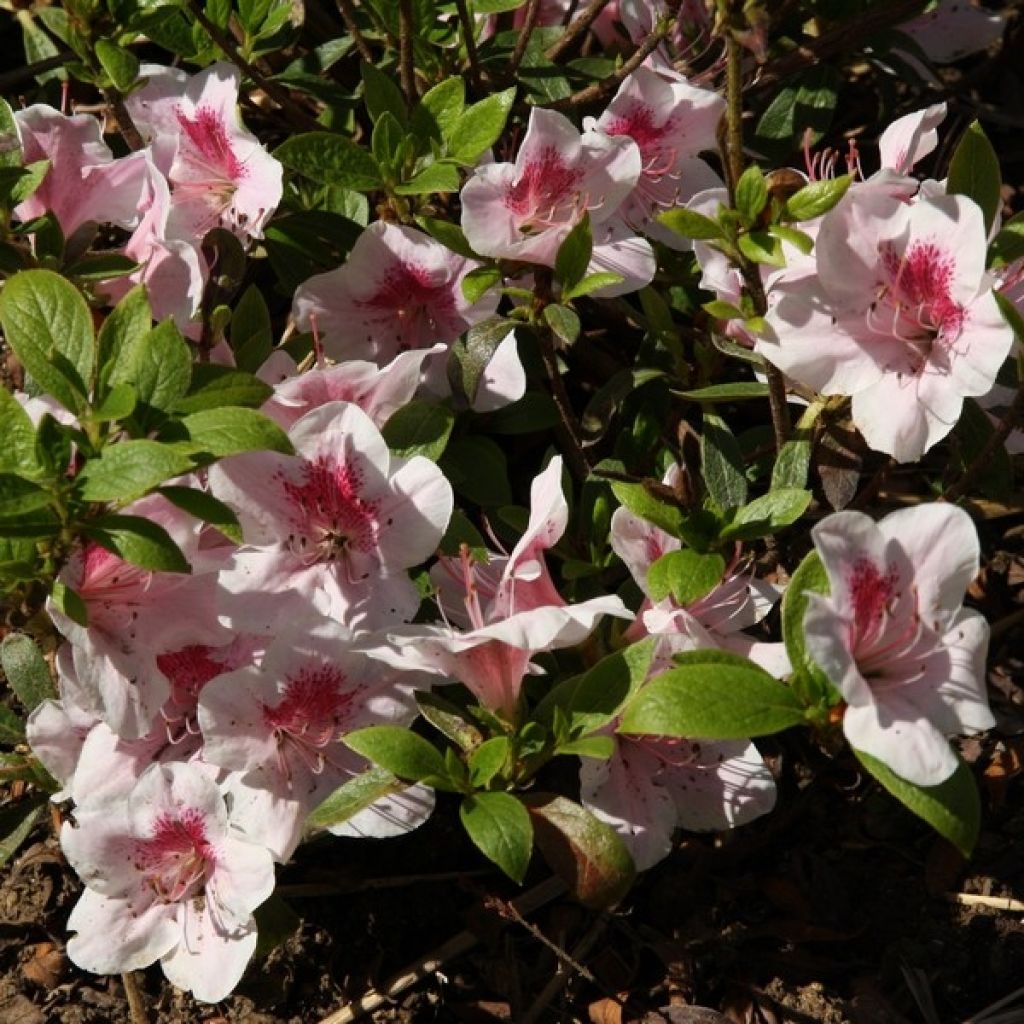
(561, 977)
(733, 163)
(471, 54)
(974, 899)
(996, 1006)
(603, 89)
(9, 79)
(530, 17)
(406, 69)
(874, 485)
(129, 132)
(348, 16)
(272, 89)
(996, 439)
(576, 29)
(136, 1001)
(433, 961)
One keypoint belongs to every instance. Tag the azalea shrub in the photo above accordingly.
(409, 398)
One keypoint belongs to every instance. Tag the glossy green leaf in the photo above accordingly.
(500, 828)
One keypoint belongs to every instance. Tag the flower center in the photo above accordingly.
(545, 194)
(177, 858)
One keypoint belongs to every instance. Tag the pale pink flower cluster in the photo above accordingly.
(201, 169)
(894, 308)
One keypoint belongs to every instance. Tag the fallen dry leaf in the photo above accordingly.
(605, 1011)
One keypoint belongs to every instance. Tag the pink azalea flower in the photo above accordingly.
(219, 173)
(333, 527)
(167, 878)
(902, 317)
(651, 786)
(84, 184)
(379, 392)
(893, 636)
(717, 619)
(510, 618)
(172, 270)
(523, 211)
(280, 725)
(399, 290)
(671, 122)
(132, 613)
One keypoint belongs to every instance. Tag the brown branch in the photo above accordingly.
(602, 90)
(133, 995)
(471, 54)
(406, 68)
(9, 79)
(530, 17)
(576, 30)
(272, 89)
(129, 132)
(348, 16)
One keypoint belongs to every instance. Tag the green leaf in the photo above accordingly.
(206, 508)
(800, 240)
(449, 719)
(129, 469)
(381, 94)
(276, 922)
(438, 177)
(352, 797)
(419, 428)
(599, 747)
(331, 160)
(102, 266)
(974, 172)
(713, 695)
(593, 699)
(19, 496)
(738, 391)
(26, 670)
(439, 109)
(29, 180)
(10, 139)
(592, 283)
(723, 310)
(48, 325)
(953, 808)
(582, 850)
(573, 256)
(401, 752)
(477, 468)
(564, 323)
(388, 136)
(120, 335)
(641, 502)
(140, 541)
(762, 247)
(751, 194)
(487, 760)
(120, 64)
(118, 405)
(12, 729)
(16, 824)
(685, 574)
(479, 281)
(767, 514)
(470, 355)
(231, 430)
(70, 603)
(160, 368)
(817, 198)
(723, 463)
(500, 828)
(478, 127)
(452, 236)
(1008, 246)
(214, 387)
(809, 578)
(18, 451)
(690, 224)
(252, 334)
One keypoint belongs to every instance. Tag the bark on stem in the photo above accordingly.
(733, 163)
(576, 29)
(406, 68)
(348, 16)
